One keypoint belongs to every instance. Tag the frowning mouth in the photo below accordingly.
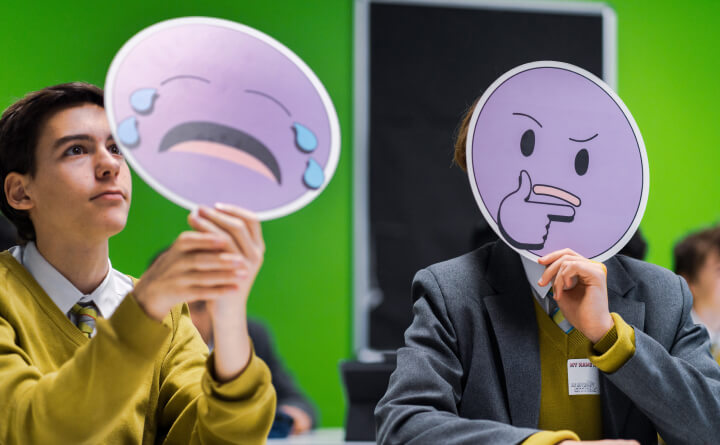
(223, 142)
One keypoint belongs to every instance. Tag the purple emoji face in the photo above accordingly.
(555, 160)
(208, 110)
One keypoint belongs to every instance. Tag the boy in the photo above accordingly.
(484, 362)
(87, 355)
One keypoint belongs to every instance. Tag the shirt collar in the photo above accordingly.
(533, 272)
(62, 292)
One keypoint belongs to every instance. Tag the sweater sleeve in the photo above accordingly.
(93, 388)
(196, 409)
(550, 437)
(616, 347)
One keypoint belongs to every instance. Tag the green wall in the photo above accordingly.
(303, 290)
(668, 65)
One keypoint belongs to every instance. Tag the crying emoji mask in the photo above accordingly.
(208, 110)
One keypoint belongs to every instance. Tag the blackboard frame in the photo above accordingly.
(366, 293)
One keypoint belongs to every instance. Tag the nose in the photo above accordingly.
(106, 165)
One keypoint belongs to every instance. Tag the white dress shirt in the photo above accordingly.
(533, 272)
(107, 296)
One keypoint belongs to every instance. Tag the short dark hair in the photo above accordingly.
(690, 253)
(20, 127)
(461, 136)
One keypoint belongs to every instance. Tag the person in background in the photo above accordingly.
(290, 399)
(697, 259)
(87, 354)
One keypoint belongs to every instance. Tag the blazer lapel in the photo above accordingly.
(512, 317)
(615, 404)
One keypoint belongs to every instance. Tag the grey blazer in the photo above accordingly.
(470, 370)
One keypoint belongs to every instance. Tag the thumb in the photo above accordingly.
(524, 186)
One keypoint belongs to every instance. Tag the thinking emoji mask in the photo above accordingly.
(208, 110)
(555, 160)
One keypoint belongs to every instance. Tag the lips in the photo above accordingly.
(118, 193)
(223, 142)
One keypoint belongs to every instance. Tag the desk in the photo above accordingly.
(322, 436)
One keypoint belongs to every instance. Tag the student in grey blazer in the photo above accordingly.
(470, 370)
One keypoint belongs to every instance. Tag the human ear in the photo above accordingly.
(16, 193)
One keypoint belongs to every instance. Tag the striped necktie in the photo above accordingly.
(557, 315)
(85, 316)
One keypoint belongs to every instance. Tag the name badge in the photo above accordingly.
(583, 377)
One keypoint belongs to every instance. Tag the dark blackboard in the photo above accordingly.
(426, 65)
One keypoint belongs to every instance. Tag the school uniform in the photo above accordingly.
(471, 368)
(136, 380)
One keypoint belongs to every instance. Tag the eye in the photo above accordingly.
(527, 143)
(582, 159)
(75, 150)
(114, 149)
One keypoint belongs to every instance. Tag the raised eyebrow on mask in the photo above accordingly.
(584, 140)
(267, 96)
(528, 116)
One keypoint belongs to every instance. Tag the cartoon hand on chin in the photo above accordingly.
(525, 222)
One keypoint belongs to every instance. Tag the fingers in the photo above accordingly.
(220, 258)
(204, 225)
(194, 250)
(555, 264)
(561, 281)
(202, 261)
(197, 266)
(211, 261)
(189, 241)
(250, 219)
(243, 229)
(552, 256)
(556, 260)
(211, 279)
(236, 227)
(572, 271)
(302, 421)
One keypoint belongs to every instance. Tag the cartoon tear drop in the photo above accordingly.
(128, 133)
(142, 100)
(314, 175)
(304, 138)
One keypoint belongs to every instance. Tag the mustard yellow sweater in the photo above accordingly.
(575, 417)
(137, 380)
